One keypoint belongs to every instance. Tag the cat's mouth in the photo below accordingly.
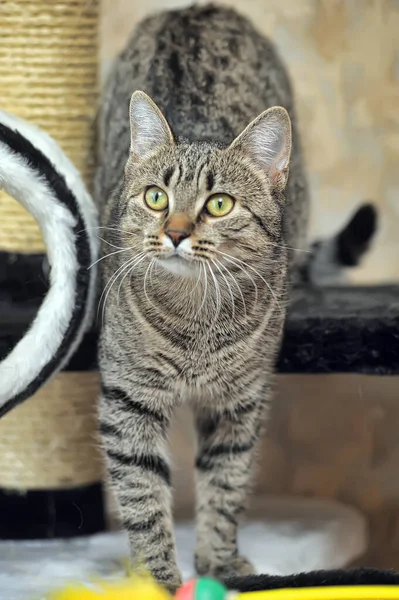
(179, 265)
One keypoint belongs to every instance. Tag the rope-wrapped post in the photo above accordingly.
(49, 75)
(50, 462)
(50, 467)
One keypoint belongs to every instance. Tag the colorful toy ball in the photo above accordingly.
(201, 589)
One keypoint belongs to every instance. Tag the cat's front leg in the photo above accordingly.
(227, 442)
(133, 425)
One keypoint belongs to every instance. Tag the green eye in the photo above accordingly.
(156, 198)
(219, 205)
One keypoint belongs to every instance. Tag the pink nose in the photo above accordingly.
(176, 236)
(178, 227)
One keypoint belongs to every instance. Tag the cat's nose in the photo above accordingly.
(178, 227)
(177, 236)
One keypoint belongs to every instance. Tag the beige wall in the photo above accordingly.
(344, 59)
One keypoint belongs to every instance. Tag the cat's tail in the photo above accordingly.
(329, 258)
(35, 172)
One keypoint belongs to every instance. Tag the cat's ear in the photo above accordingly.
(148, 127)
(267, 140)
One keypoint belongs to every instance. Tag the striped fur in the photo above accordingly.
(204, 329)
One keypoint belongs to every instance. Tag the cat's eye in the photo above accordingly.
(219, 205)
(156, 198)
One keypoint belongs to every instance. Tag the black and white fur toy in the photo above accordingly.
(36, 172)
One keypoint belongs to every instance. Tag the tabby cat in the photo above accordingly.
(200, 221)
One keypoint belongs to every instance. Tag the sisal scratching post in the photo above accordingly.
(48, 74)
(50, 468)
(50, 462)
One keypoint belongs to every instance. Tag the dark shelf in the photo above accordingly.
(342, 330)
(330, 330)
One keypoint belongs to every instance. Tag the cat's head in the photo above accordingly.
(193, 203)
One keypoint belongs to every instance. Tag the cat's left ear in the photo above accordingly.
(149, 130)
(267, 141)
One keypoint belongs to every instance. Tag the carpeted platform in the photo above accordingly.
(295, 535)
(342, 330)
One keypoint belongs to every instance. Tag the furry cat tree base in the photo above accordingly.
(294, 535)
(53, 192)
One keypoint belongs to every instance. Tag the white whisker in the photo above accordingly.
(205, 290)
(145, 282)
(249, 277)
(107, 255)
(110, 283)
(217, 291)
(228, 287)
(288, 247)
(198, 280)
(128, 262)
(154, 263)
(139, 258)
(109, 243)
(235, 261)
(102, 227)
(237, 286)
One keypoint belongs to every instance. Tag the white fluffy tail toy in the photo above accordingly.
(35, 171)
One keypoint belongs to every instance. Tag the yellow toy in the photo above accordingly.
(351, 592)
(130, 588)
(144, 588)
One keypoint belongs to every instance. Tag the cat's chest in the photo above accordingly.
(193, 356)
(198, 362)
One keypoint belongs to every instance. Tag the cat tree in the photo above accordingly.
(49, 462)
(48, 70)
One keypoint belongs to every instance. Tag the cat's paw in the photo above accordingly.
(202, 565)
(171, 580)
(236, 566)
